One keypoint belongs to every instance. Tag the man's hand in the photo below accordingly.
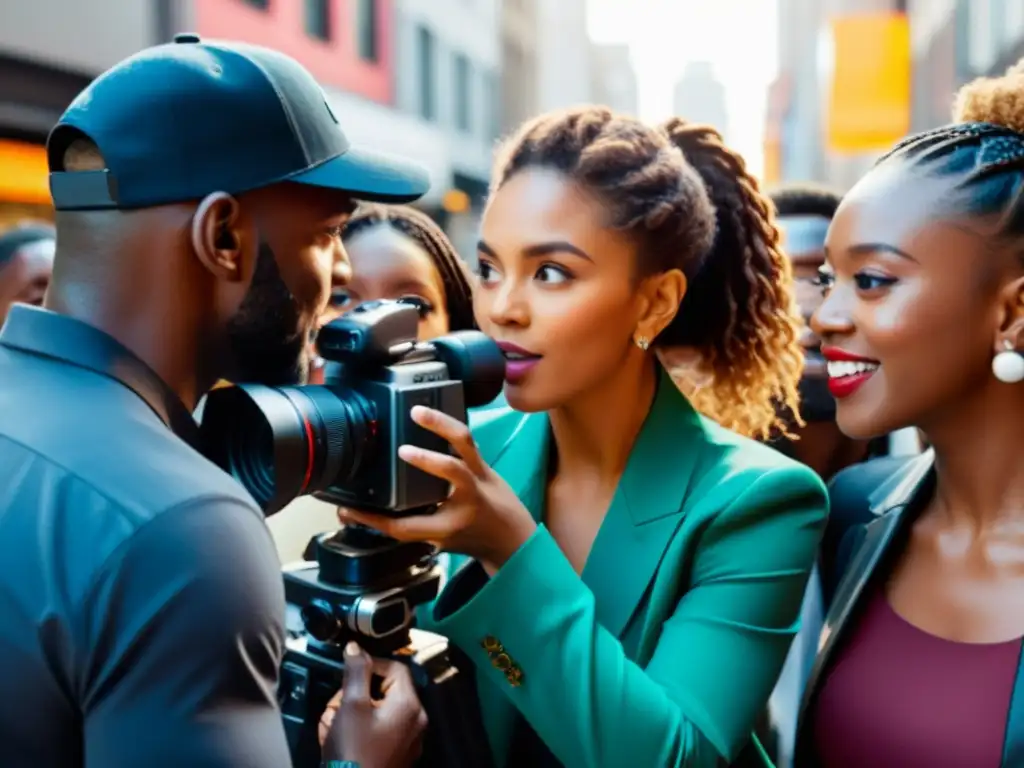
(387, 733)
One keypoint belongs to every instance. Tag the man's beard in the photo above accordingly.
(265, 340)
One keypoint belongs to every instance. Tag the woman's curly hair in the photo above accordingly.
(690, 204)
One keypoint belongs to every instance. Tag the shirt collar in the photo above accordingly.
(47, 334)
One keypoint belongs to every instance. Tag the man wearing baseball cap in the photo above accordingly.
(199, 188)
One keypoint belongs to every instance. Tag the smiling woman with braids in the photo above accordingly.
(923, 321)
(636, 568)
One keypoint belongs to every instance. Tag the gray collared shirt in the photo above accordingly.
(141, 603)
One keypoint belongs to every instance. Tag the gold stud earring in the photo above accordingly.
(641, 341)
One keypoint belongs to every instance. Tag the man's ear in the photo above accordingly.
(218, 237)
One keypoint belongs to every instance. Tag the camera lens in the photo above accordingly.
(280, 443)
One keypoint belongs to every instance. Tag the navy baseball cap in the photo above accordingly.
(178, 121)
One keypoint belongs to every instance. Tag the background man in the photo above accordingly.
(26, 262)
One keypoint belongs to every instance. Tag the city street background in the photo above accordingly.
(806, 90)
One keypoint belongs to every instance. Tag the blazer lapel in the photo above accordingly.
(646, 509)
(1013, 744)
(891, 518)
(522, 460)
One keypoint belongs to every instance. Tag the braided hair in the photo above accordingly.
(689, 203)
(458, 295)
(983, 149)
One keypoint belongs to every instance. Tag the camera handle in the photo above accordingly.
(455, 737)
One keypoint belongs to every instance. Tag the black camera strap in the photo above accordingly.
(47, 334)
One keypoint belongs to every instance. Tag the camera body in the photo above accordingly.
(340, 440)
(386, 483)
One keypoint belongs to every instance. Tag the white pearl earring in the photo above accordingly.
(1008, 365)
(643, 343)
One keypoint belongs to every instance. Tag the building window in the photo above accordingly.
(366, 30)
(463, 94)
(426, 54)
(318, 19)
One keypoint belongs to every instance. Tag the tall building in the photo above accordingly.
(519, 62)
(613, 78)
(563, 55)
(700, 97)
(955, 41)
(794, 145)
(447, 76)
(547, 58)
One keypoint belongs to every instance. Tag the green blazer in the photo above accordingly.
(665, 650)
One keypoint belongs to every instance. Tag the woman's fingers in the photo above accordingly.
(454, 431)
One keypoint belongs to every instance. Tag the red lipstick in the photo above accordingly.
(847, 372)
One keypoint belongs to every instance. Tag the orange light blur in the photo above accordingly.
(24, 175)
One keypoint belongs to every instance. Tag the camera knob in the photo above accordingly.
(320, 621)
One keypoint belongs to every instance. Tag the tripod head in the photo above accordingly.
(363, 586)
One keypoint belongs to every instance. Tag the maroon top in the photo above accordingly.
(898, 697)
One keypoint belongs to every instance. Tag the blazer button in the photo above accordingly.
(502, 661)
(491, 644)
(514, 675)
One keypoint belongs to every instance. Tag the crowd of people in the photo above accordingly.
(750, 495)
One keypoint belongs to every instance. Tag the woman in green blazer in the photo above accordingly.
(636, 569)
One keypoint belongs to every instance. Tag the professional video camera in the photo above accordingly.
(339, 442)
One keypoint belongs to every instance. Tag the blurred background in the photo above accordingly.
(805, 89)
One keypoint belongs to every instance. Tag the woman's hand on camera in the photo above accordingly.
(482, 518)
(386, 733)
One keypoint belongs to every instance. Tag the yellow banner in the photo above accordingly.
(869, 99)
(24, 175)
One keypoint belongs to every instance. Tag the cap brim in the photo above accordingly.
(366, 175)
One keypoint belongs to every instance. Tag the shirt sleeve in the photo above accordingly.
(184, 635)
(716, 659)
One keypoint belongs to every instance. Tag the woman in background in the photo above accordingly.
(398, 252)
(637, 568)
(923, 326)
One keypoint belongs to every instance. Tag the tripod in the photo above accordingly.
(365, 587)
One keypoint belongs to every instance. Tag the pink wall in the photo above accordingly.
(282, 26)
